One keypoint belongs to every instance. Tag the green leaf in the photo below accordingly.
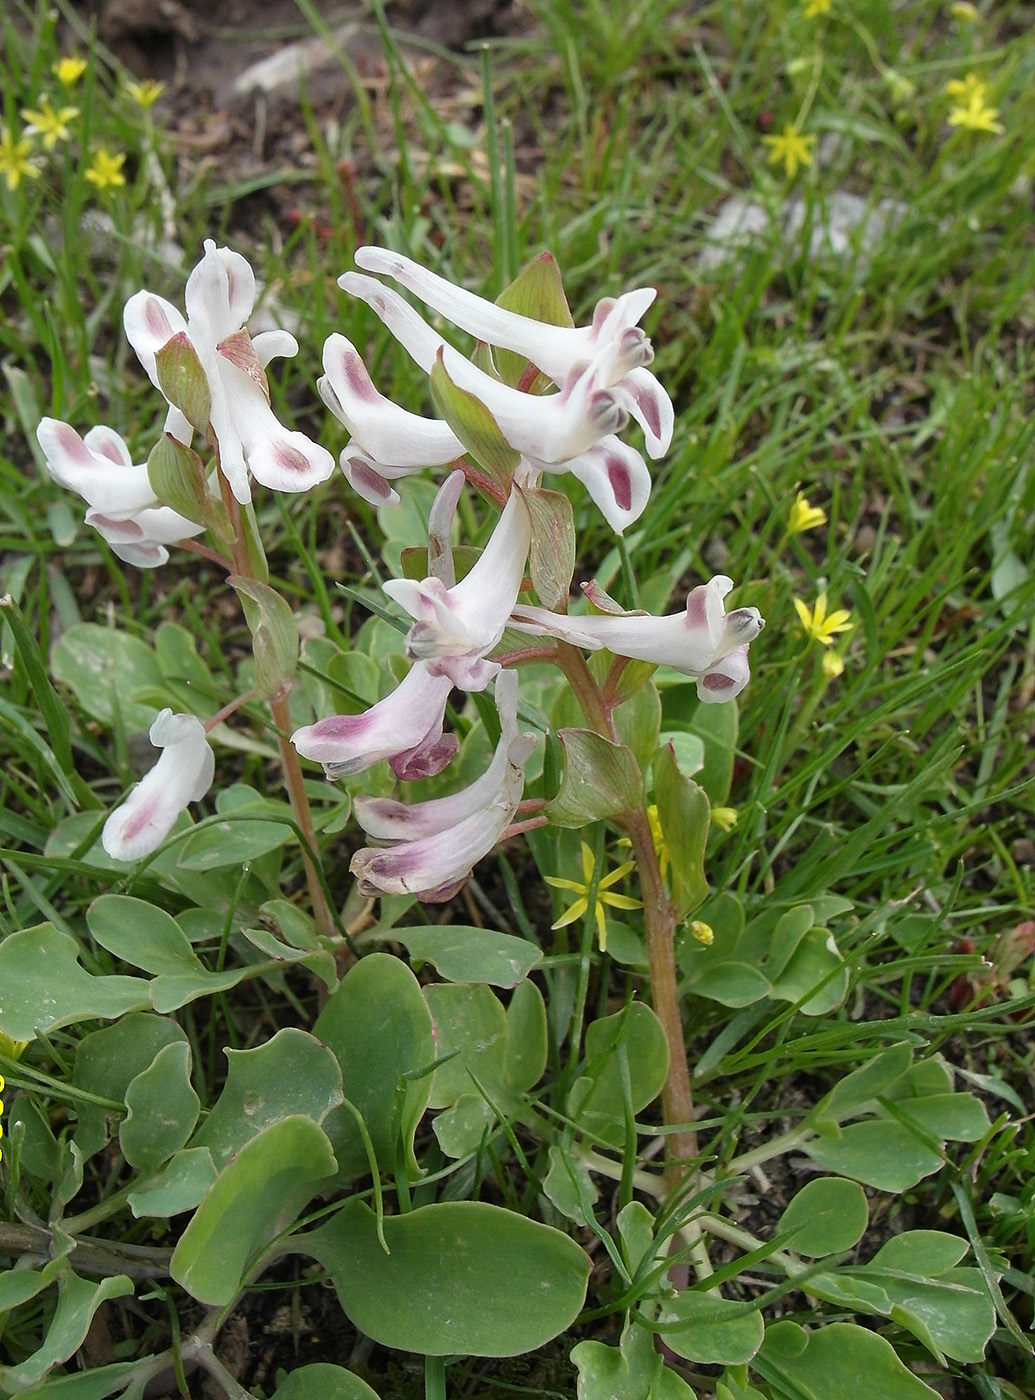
(183, 381)
(78, 1300)
(274, 634)
(163, 1109)
(293, 1074)
(107, 670)
(474, 425)
(470, 1038)
(177, 477)
(924, 1252)
(378, 1027)
(816, 966)
(860, 1089)
(828, 1215)
(106, 1063)
(67, 993)
(959, 1117)
(597, 1101)
(878, 1152)
(715, 1331)
(256, 1196)
(322, 1381)
(241, 838)
(461, 1276)
(569, 1186)
(95, 1384)
(716, 726)
(54, 713)
(146, 936)
(638, 723)
(632, 1371)
(841, 1359)
(462, 954)
(551, 559)
(600, 779)
(179, 1186)
(527, 1038)
(537, 291)
(684, 814)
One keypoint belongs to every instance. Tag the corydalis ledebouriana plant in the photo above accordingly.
(212, 374)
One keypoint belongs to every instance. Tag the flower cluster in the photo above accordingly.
(592, 381)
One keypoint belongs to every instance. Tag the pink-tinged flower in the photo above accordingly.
(182, 774)
(456, 627)
(545, 428)
(704, 641)
(387, 441)
(558, 351)
(123, 508)
(440, 841)
(616, 477)
(405, 728)
(219, 298)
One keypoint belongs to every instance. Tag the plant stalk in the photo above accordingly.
(295, 784)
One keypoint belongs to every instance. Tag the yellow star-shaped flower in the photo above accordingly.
(145, 94)
(105, 170)
(975, 116)
(963, 89)
(14, 159)
(791, 147)
(68, 71)
(817, 625)
(604, 894)
(50, 124)
(812, 9)
(804, 516)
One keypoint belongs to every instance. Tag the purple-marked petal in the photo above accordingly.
(409, 719)
(220, 293)
(98, 468)
(141, 539)
(616, 477)
(278, 458)
(694, 642)
(444, 838)
(468, 619)
(382, 429)
(556, 350)
(150, 322)
(183, 774)
(366, 479)
(726, 679)
(547, 428)
(652, 409)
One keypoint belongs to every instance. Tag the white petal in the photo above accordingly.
(140, 540)
(150, 322)
(183, 774)
(387, 820)
(366, 479)
(281, 459)
(220, 293)
(385, 431)
(403, 722)
(652, 409)
(98, 468)
(468, 619)
(274, 345)
(616, 477)
(553, 349)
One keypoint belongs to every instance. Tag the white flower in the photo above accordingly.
(123, 508)
(556, 350)
(405, 728)
(387, 441)
(703, 642)
(456, 627)
(440, 841)
(219, 298)
(182, 774)
(545, 428)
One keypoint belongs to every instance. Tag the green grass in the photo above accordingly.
(893, 389)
